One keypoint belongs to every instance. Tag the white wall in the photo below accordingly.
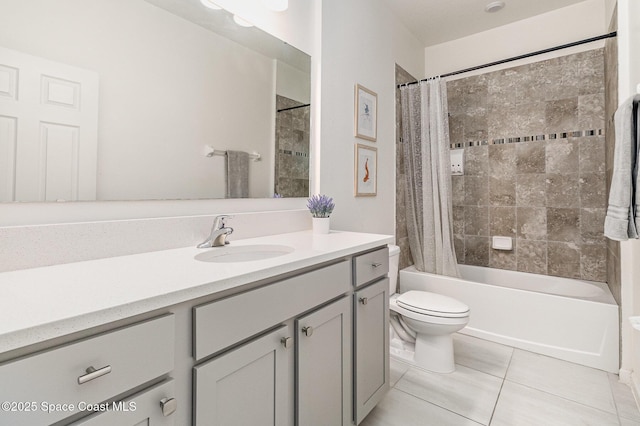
(293, 83)
(297, 25)
(166, 89)
(609, 7)
(361, 42)
(572, 23)
(628, 80)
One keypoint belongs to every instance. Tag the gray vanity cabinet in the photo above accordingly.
(77, 378)
(250, 385)
(255, 359)
(371, 337)
(371, 331)
(323, 367)
(306, 348)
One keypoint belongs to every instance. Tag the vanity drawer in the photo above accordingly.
(123, 359)
(220, 324)
(143, 408)
(370, 266)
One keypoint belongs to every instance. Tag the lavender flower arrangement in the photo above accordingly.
(320, 205)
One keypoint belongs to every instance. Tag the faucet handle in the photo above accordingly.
(218, 222)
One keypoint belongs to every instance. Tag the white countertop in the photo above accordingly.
(43, 303)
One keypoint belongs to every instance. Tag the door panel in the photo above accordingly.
(48, 129)
(371, 346)
(248, 386)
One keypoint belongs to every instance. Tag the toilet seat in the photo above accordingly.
(423, 317)
(438, 305)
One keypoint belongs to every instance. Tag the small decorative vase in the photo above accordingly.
(320, 225)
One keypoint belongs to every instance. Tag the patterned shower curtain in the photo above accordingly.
(429, 209)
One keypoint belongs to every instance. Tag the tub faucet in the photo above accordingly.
(219, 233)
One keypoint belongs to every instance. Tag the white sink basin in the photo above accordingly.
(230, 254)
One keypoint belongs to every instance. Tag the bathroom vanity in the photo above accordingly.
(297, 337)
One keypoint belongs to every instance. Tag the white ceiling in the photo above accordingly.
(437, 21)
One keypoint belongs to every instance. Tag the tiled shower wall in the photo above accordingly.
(611, 104)
(402, 236)
(292, 149)
(534, 146)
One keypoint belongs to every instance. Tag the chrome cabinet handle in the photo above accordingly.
(286, 342)
(364, 300)
(308, 331)
(92, 373)
(168, 406)
(376, 265)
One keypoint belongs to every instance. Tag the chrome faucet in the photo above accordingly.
(219, 233)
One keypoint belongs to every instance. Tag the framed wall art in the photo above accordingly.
(366, 171)
(366, 114)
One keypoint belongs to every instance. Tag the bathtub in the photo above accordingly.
(564, 318)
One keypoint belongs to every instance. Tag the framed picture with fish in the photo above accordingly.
(366, 172)
(366, 114)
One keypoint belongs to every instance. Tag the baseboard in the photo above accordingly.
(635, 388)
(625, 376)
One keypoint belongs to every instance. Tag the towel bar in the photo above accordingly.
(210, 152)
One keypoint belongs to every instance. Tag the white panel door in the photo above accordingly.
(48, 129)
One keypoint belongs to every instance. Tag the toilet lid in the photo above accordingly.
(432, 304)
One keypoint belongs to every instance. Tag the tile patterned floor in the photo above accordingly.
(498, 385)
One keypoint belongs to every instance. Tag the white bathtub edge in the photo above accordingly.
(589, 328)
(590, 359)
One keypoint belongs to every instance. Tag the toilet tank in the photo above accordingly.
(394, 261)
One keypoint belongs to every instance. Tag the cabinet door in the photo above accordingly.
(248, 386)
(142, 409)
(323, 370)
(371, 347)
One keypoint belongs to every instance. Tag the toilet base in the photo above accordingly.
(428, 359)
(435, 353)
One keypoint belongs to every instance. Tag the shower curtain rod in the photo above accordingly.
(295, 107)
(515, 58)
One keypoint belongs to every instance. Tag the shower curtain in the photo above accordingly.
(425, 140)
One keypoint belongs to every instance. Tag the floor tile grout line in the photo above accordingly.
(441, 407)
(401, 376)
(444, 408)
(484, 372)
(563, 397)
(615, 401)
(504, 379)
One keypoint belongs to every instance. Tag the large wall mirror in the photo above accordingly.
(147, 100)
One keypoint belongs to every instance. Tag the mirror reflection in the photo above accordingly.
(147, 99)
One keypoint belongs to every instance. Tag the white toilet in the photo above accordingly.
(422, 323)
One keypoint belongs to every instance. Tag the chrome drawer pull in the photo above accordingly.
(168, 406)
(376, 265)
(92, 373)
(364, 300)
(308, 331)
(287, 342)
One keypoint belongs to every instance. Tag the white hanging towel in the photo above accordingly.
(622, 221)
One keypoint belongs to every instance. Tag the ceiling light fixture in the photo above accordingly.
(277, 5)
(494, 6)
(210, 4)
(238, 20)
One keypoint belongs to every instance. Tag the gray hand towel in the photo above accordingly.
(620, 222)
(237, 174)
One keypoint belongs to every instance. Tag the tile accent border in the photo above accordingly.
(533, 138)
